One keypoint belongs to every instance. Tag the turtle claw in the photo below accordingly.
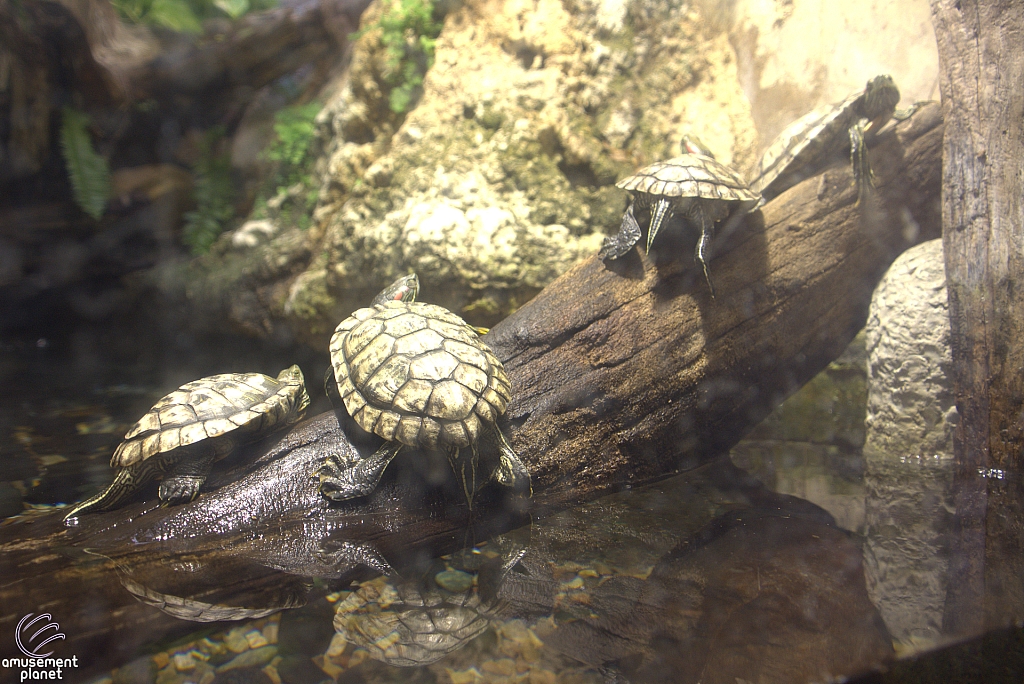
(180, 489)
(339, 482)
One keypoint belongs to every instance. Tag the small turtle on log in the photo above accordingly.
(695, 186)
(419, 376)
(190, 428)
(799, 150)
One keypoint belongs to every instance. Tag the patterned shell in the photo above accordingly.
(690, 175)
(417, 374)
(805, 139)
(211, 407)
(817, 132)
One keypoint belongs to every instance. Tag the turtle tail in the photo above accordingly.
(126, 483)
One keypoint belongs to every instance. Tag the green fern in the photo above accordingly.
(295, 128)
(186, 15)
(213, 193)
(408, 33)
(88, 171)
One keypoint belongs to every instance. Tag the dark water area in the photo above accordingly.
(704, 577)
(71, 394)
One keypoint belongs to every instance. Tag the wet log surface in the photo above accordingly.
(623, 374)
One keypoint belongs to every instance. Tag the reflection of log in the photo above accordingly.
(623, 374)
(983, 227)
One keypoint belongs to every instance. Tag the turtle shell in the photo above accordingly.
(820, 132)
(211, 407)
(418, 374)
(690, 175)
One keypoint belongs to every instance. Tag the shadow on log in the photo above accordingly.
(623, 373)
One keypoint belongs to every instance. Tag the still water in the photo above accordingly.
(707, 576)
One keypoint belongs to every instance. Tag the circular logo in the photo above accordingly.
(31, 644)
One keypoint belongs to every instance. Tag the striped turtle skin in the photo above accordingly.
(417, 375)
(797, 152)
(695, 186)
(193, 426)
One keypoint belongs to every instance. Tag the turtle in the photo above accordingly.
(817, 136)
(193, 426)
(419, 376)
(415, 621)
(695, 186)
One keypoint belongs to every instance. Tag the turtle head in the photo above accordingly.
(880, 97)
(691, 144)
(404, 289)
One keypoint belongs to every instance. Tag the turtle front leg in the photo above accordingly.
(707, 233)
(511, 472)
(182, 482)
(339, 483)
(629, 234)
(862, 174)
(661, 212)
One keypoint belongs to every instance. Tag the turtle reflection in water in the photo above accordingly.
(419, 376)
(418, 622)
(694, 186)
(796, 153)
(190, 428)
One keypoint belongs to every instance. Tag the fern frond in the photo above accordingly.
(88, 171)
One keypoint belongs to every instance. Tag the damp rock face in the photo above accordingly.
(498, 177)
(503, 174)
(499, 173)
(908, 451)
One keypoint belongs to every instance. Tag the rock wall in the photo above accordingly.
(502, 174)
(794, 55)
(908, 451)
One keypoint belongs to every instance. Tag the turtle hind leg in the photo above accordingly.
(127, 481)
(510, 472)
(629, 234)
(339, 483)
(186, 475)
(464, 462)
(703, 248)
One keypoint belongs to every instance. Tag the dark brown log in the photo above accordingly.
(626, 371)
(623, 373)
(982, 69)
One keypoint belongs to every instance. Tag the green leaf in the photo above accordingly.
(88, 171)
(232, 8)
(175, 15)
(213, 193)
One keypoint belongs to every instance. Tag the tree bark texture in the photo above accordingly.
(622, 373)
(629, 369)
(982, 84)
